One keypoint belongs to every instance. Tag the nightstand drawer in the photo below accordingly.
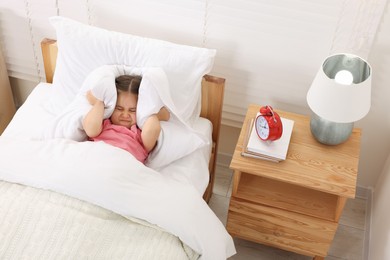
(284, 229)
(287, 196)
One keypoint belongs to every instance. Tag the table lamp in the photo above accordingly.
(339, 96)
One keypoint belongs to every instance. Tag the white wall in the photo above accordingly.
(380, 219)
(377, 147)
(376, 125)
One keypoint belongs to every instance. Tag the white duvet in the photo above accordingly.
(111, 178)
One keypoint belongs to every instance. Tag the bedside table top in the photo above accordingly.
(330, 169)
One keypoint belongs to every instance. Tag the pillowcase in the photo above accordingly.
(175, 142)
(82, 48)
(177, 139)
(69, 122)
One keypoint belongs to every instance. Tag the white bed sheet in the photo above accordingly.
(31, 118)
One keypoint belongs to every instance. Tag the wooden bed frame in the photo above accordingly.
(212, 100)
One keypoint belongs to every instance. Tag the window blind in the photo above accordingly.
(20, 26)
(268, 51)
(172, 20)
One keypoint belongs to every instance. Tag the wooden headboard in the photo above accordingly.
(212, 99)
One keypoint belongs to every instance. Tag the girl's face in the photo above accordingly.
(124, 112)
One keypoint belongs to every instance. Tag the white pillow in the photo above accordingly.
(68, 123)
(177, 139)
(175, 142)
(82, 48)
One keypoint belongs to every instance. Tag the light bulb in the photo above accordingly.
(344, 77)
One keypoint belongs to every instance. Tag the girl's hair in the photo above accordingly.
(128, 83)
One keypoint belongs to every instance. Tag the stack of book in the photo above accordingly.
(275, 151)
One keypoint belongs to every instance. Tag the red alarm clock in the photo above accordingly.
(268, 124)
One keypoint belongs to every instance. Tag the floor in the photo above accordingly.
(349, 242)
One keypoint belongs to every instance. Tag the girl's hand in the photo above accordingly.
(91, 98)
(92, 122)
(163, 114)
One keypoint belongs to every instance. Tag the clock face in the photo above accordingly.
(262, 127)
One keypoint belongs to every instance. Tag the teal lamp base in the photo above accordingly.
(328, 132)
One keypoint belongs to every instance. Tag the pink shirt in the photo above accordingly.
(122, 137)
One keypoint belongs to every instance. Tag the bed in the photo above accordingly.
(65, 198)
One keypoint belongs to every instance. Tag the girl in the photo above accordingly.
(120, 129)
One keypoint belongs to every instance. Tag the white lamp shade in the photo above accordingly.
(336, 101)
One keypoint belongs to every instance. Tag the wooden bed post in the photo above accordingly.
(49, 54)
(213, 89)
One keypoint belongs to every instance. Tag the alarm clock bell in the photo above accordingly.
(268, 124)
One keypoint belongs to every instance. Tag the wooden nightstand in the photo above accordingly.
(295, 204)
(7, 106)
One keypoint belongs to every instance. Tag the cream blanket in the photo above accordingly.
(48, 225)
